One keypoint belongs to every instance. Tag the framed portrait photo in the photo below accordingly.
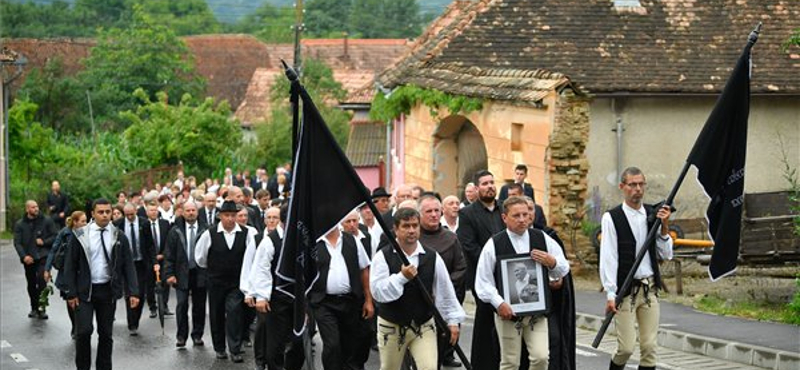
(523, 284)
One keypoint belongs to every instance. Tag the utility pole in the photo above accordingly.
(298, 30)
(7, 58)
(91, 119)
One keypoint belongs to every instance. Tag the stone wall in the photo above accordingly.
(568, 167)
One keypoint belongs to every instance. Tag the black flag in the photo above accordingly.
(325, 188)
(719, 155)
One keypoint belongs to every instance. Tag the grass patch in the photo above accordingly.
(762, 311)
(7, 235)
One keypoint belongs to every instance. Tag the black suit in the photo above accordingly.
(476, 225)
(158, 249)
(272, 187)
(526, 188)
(97, 300)
(191, 280)
(144, 266)
(202, 217)
(539, 219)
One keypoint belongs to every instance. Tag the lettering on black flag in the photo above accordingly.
(325, 188)
(719, 155)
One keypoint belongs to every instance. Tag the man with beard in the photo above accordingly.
(445, 242)
(33, 236)
(478, 222)
(183, 273)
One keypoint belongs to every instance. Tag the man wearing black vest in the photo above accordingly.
(365, 332)
(337, 295)
(511, 328)
(98, 269)
(445, 243)
(220, 251)
(478, 222)
(625, 229)
(183, 273)
(405, 320)
(274, 304)
(144, 258)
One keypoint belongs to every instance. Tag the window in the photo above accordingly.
(516, 137)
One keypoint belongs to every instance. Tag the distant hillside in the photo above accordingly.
(230, 11)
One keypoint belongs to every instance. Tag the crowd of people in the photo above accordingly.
(217, 244)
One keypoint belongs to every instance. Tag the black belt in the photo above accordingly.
(340, 297)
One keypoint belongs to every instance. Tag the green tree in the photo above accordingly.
(273, 144)
(197, 134)
(385, 18)
(40, 20)
(59, 97)
(185, 17)
(146, 55)
(268, 23)
(327, 18)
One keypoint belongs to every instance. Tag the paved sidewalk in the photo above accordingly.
(762, 344)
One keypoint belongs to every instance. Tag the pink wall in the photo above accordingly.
(398, 153)
(370, 176)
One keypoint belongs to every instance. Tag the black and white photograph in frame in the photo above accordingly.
(523, 284)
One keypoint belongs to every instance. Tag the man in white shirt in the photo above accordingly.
(625, 229)
(450, 207)
(518, 238)
(339, 296)
(405, 320)
(220, 250)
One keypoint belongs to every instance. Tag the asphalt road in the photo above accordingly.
(46, 344)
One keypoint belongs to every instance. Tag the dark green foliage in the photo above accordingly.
(403, 98)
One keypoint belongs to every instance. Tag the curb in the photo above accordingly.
(712, 347)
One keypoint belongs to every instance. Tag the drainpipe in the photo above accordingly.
(388, 162)
(618, 129)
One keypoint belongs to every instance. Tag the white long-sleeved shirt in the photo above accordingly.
(609, 258)
(261, 272)
(486, 287)
(338, 276)
(388, 287)
(247, 263)
(204, 243)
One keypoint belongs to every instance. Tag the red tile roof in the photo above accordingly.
(664, 46)
(255, 107)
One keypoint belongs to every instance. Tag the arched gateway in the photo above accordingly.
(458, 152)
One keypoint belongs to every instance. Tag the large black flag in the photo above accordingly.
(325, 188)
(719, 155)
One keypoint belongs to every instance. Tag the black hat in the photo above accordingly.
(228, 206)
(379, 192)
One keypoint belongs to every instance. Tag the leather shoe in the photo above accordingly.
(451, 362)
(181, 343)
(133, 332)
(33, 314)
(237, 358)
(153, 314)
(43, 315)
(613, 366)
(197, 342)
(168, 313)
(222, 355)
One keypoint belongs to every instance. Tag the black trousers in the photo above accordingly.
(198, 295)
(225, 315)
(278, 327)
(484, 337)
(248, 315)
(338, 323)
(366, 334)
(135, 314)
(101, 307)
(34, 275)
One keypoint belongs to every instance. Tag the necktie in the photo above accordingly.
(105, 251)
(210, 217)
(192, 236)
(155, 236)
(262, 215)
(134, 245)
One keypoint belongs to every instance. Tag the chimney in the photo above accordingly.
(345, 56)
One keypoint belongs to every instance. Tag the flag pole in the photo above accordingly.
(651, 235)
(353, 176)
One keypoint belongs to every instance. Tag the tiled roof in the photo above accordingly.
(367, 143)
(255, 107)
(664, 46)
(227, 62)
(39, 52)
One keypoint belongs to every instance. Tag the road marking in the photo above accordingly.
(583, 353)
(5, 344)
(668, 325)
(18, 357)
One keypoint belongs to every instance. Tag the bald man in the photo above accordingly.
(33, 237)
